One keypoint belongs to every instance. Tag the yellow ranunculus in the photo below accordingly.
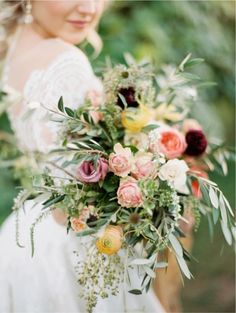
(134, 120)
(111, 240)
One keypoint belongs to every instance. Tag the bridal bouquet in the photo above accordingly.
(132, 165)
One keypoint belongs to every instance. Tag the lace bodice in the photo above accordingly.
(69, 75)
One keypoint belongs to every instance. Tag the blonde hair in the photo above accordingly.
(12, 12)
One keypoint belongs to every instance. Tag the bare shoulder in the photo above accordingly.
(46, 52)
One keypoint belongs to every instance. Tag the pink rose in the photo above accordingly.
(87, 172)
(168, 141)
(143, 165)
(129, 194)
(120, 162)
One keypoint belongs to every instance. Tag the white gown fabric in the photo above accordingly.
(47, 282)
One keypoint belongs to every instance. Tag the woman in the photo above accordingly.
(42, 64)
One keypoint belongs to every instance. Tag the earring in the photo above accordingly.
(28, 18)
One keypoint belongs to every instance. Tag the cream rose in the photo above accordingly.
(120, 162)
(174, 171)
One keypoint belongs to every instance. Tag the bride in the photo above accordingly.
(42, 64)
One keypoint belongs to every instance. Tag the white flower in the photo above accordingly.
(139, 140)
(174, 171)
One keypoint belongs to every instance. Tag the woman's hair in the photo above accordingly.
(12, 11)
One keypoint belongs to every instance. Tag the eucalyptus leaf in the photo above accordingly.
(215, 215)
(135, 291)
(69, 112)
(228, 205)
(150, 127)
(87, 232)
(213, 197)
(176, 245)
(194, 62)
(226, 232)
(141, 261)
(149, 271)
(185, 60)
(61, 104)
(184, 267)
(223, 210)
(161, 265)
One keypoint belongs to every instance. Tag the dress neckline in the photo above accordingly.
(6, 65)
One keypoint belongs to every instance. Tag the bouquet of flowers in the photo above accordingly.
(133, 164)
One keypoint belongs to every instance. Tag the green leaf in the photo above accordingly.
(176, 245)
(149, 271)
(87, 232)
(52, 201)
(148, 128)
(69, 112)
(215, 215)
(193, 62)
(228, 205)
(161, 265)
(223, 210)
(61, 104)
(226, 232)
(189, 76)
(135, 291)
(185, 60)
(213, 197)
(184, 267)
(122, 98)
(141, 262)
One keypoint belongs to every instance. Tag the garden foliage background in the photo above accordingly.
(166, 31)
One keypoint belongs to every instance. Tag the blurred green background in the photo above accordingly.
(166, 31)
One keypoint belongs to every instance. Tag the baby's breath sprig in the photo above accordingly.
(99, 275)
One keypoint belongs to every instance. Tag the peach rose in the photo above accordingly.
(168, 141)
(77, 224)
(143, 165)
(120, 162)
(129, 194)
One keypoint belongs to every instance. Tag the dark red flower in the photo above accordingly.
(129, 95)
(196, 142)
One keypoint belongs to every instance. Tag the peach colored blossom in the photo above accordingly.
(120, 162)
(77, 224)
(129, 194)
(168, 141)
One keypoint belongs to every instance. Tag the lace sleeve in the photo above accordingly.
(70, 76)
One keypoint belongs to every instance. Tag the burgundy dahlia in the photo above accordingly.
(196, 142)
(129, 95)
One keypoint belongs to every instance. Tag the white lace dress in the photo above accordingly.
(47, 282)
